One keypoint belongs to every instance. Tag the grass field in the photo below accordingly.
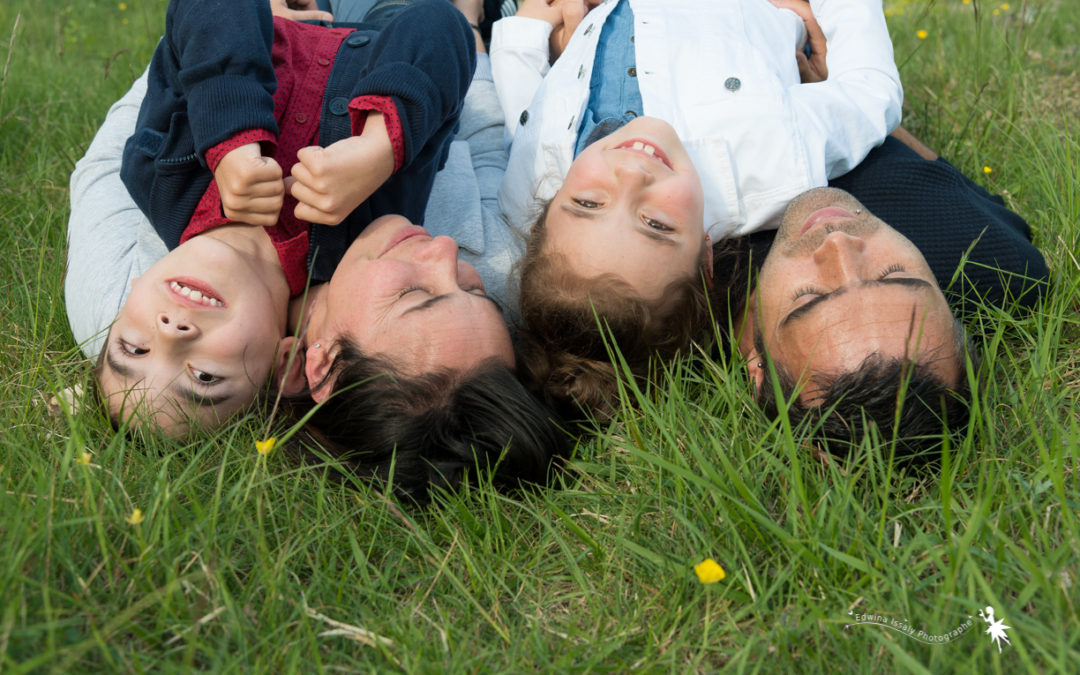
(247, 562)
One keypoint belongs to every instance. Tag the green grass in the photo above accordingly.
(251, 563)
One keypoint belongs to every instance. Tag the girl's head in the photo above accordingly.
(631, 206)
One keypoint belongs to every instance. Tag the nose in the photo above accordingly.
(439, 258)
(629, 168)
(171, 324)
(840, 257)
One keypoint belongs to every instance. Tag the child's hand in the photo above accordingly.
(299, 10)
(812, 69)
(563, 15)
(250, 185)
(330, 182)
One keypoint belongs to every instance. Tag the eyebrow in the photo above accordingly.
(802, 310)
(427, 304)
(178, 389)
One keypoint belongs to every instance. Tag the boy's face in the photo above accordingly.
(402, 295)
(195, 340)
(631, 205)
(839, 284)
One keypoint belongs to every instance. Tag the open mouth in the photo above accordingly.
(647, 149)
(195, 294)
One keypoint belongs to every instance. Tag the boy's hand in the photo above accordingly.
(330, 182)
(812, 69)
(299, 10)
(563, 15)
(250, 185)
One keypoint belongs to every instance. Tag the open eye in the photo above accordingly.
(586, 204)
(657, 225)
(130, 349)
(202, 377)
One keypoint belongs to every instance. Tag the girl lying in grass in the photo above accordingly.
(715, 134)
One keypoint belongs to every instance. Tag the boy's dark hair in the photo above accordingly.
(570, 323)
(895, 395)
(430, 431)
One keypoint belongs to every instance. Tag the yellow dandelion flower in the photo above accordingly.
(987, 170)
(85, 458)
(122, 6)
(1005, 7)
(136, 517)
(709, 571)
(124, 21)
(997, 12)
(264, 447)
(921, 34)
(967, 2)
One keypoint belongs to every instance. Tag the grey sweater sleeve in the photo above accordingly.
(110, 241)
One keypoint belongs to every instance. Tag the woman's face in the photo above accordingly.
(404, 296)
(631, 205)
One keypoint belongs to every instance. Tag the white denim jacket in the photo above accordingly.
(723, 74)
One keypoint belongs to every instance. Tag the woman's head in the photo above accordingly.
(403, 297)
(436, 429)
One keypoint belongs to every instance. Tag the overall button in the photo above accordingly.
(524, 117)
(300, 118)
(732, 84)
(632, 72)
(357, 40)
(339, 105)
(323, 61)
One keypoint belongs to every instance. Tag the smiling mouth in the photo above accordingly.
(647, 149)
(404, 234)
(199, 295)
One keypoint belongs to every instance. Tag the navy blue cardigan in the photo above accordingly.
(212, 77)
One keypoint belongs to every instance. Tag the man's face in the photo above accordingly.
(839, 285)
(404, 296)
(631, 205)
(195, 340)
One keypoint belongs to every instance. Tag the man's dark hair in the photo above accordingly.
(896, 395)
(433, 430)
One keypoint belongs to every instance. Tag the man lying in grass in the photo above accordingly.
(845, 320)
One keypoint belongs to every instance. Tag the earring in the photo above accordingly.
(858, 211)
(318, 345)
(760, 364)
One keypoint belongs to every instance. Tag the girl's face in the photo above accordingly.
(400, 294)
(631, 205)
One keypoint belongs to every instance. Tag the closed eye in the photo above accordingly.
(804, 291)
(891, 269)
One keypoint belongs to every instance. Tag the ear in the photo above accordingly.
(746, 333)
(289, 366)
(707, 262)
(316, 367)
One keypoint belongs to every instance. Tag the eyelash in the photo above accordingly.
(586, 204)
(195, 376)
(891, 269)
(805, 290)
(657, 225)
(130, 349)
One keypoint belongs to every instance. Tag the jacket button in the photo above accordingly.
(357, 40)
(524, 117)
(339, 105)
(632, 72)
(732, 84)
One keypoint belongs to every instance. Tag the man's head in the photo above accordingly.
(197, 338)
(842, 297)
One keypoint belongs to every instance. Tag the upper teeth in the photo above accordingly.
(647, 149)
(195, 295)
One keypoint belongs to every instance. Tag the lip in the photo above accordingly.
(403, 234)
(660, 155)
(827, 214)
(196, 285)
